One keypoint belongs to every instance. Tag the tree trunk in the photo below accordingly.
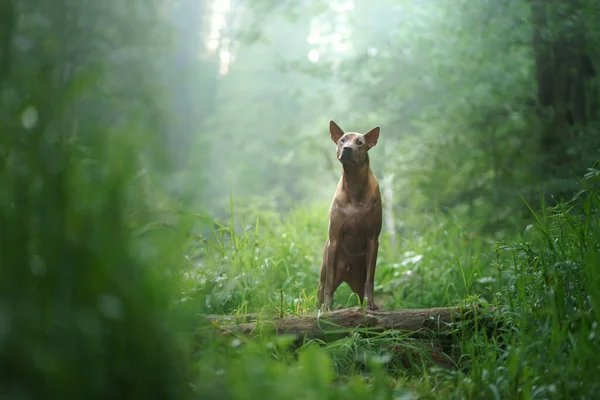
(330, 325)
(388, 209)
(563, 70)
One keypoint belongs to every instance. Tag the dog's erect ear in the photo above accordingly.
(372, 136)
(336, 132)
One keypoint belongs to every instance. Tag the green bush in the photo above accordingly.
(82, 314)
(548, 304)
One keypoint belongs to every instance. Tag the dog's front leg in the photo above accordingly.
(322, 277)
(372, 249)
(332, 260)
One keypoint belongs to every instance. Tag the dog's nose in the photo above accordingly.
(346, 149)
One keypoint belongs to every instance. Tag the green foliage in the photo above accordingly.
(82, 316)
(245, 369)
(542, 287)
(275, 262)
(548, 304)
(139, 189)
(456, 80)
(84, 313)
(453, 86)
(258, 139)
(245, 268)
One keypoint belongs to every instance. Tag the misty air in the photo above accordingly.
(241, 199)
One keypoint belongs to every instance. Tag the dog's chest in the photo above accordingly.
(354, 219)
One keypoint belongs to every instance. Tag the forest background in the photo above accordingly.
(168, 159)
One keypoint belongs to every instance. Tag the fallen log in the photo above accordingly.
(427, 332)
(417, 322)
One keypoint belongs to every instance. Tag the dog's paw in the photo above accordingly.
(372, 307)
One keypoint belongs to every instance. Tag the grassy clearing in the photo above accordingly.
(273, 263)
(543, 286)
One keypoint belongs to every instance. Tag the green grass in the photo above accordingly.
(542, 286)
(104, 283)
(273, 263)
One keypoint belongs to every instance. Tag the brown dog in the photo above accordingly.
(350, 252)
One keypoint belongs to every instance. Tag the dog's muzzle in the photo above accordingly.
(346, 153)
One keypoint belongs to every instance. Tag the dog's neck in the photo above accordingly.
(355, 179)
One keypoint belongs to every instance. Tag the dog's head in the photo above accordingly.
(352, 147)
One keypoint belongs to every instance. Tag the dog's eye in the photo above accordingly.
(359, 142)
(343, 140)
